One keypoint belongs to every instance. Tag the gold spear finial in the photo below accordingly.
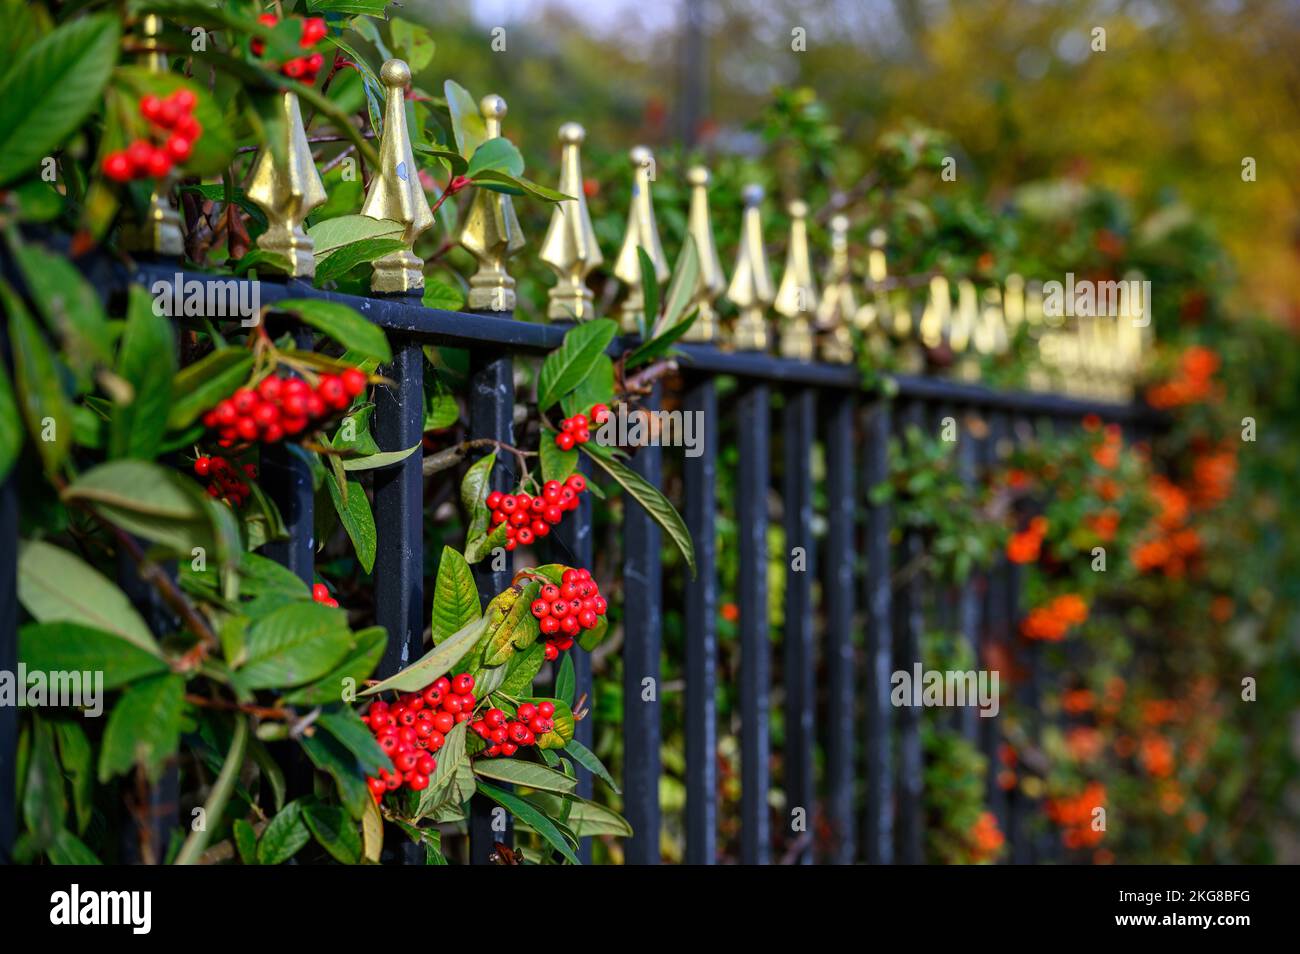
(288, 194)
(751, 285)
(642, 232)
(491, 231)
(839, 304)
(796, 296)
(990, 334)
(570, 247)
(395, 191)
(160, 231)
(711, 281)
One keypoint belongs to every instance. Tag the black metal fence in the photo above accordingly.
(869, 789)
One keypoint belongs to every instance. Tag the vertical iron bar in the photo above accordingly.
(999, 620)
(878, 816)
(909, 623)
(491, 415)
(699, 477)
(1024, 848)
(642, 632)
(798, 428)
(399, 520)
(755, 651)
(838, 579)
(968, 607)
(8, 660)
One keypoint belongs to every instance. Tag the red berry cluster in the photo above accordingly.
(281, 407)
(505, 736)
(527, 517)
(565, 610)
(576, 430)
(144, 159)
(225, 479)
(321, 594)
(414, 727)
(303, 68)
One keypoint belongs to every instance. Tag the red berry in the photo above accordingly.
(539, 725)
(203, 466)
(405, 761)
(540, 528)
(462, 684)
(517, 732)
(453, 705)
(432, 696)
(376, 786)
(509, 748)
(564, 441)
(435, 740)
(442, 684)
(599, 413)
(247, 428)
(582, 435)
(168, 113)
(294, 68)
(508, 505)
(526, 711)
(354, 381)
(494, 499)
(417, 781)
(426, 764)
(189, 127)
(525, 536)
(320, 591)
(550, 592)
(546, 709)
(540, 608)
(149, 107)
(577, 482)
(587, 619)
(553, 514)
(444, 721)
(549, 625)
(332, 392)
(293, 425)
(600, 605)
(139, 153)
(185, 100)
(550, 652)
(117, 166)
(570, 626)
(494, 718)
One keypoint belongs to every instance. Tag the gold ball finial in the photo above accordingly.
(752, 194)
(697, 176)
(395, 73)
(839, 223)
(572, 134)
(641, 156)
(492, 106)
(798, 209)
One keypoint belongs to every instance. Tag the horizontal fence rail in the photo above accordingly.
(847, 623)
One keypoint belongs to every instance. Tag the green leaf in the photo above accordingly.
(44, 799)
(660, 344)
(455, 596)
(358, 253)
(451, 759)
(649, 289)
(532, 817)
(569, 364)
(201, 385)
(330, 756)
(370, 8)
(146, 361)
(334, 234)
(341, 323)
(344, 724)
(522, 669)
(357, 519)
(55, 585)
(681, 289)
(294, 644)
(467, 123)
(589, 820)
(245, 841)
(497, 154)
(72, 647)
(517, 630)
(519, 772)
(335, 831)
(284, 836)
(596, 388)
(442, 296)
(38, 384)
(479, 547)
(556, 464)
(437, 662)
(566, 680)
(412, 42)
(587, 759)
(68, 849)
(69, 304)
(379, 459)
(76, 757)
(158, 504)
(52, 87)
(500, 181)
(11, 427)
(649, 497)
(474, 489)
(454, 161)
(144, 728)
(356, 666)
